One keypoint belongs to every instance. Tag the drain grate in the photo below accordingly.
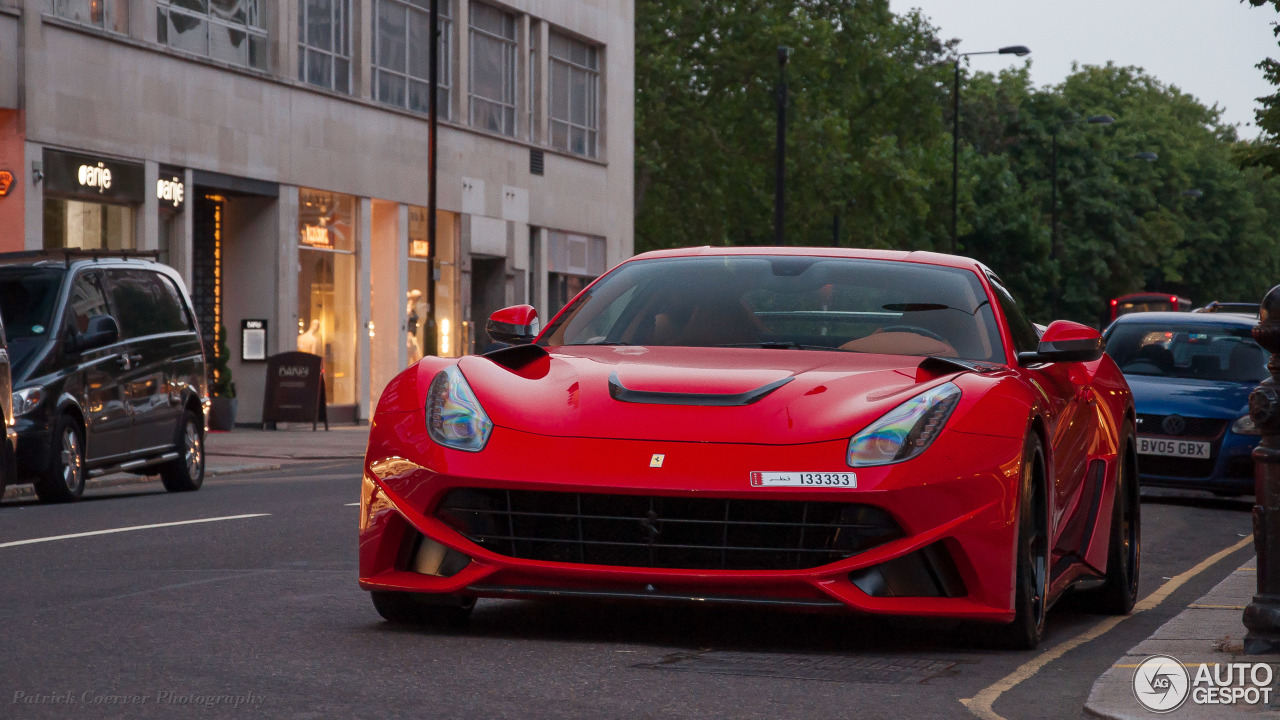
(833, 668)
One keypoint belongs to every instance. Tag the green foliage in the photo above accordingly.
(220, 384)
(869, 140)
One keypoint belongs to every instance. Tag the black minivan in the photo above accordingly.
(108, 370)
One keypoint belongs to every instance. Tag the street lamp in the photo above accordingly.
(1020, 51)
(780, 155)
(1053, 205)
(1145, 157)
(431, 337)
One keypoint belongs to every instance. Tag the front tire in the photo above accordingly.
(1031, 592)
(186, 474)
(405, 608)
(1124, 551)
(64, 473)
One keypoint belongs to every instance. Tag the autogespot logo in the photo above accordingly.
(1161, 684)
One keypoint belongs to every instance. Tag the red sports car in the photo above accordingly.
(872, 431)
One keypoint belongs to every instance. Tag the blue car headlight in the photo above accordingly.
(906, 431)
(454, 416)
(1244, 426)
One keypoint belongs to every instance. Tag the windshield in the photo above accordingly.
(27, 301)
(871, 306)
(1205, 352)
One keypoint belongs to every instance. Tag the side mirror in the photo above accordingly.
(1065, 341)
(102, 331)
(516, 325)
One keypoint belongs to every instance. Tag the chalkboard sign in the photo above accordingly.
(295, 390)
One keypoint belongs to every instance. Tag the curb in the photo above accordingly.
(27, 491)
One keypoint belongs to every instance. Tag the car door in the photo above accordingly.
(145, 326)
(1069, 401)
(101, 395)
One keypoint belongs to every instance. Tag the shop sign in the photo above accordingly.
(171, 191)
(419, 248)
(6, 181)
(295, 389)
(316, 236)
(93, 177)
(253, 340)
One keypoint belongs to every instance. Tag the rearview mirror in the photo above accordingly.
(1065, 341)
(516, 325)
(102, 331)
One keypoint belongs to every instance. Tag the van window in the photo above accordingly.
(87, 301)
(142, 304)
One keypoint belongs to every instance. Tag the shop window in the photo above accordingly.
(573, 261)
(448, 323)
(575, 95)
(110, 15)
(401, 55)
(327, 288)
(493, 69)
(233, 31)
(89, 226)
(324, 43)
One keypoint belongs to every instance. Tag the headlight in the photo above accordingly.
(26, 400)
(905, 431)
(1242, 426)
(454, 416)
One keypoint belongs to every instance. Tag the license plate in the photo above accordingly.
(804, 479)
(1173, 448)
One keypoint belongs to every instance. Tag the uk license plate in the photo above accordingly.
(1173, 448)
(804, 479)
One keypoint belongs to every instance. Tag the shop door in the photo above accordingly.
(488, 294)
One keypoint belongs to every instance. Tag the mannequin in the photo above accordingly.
(309, 341)
(411, 326)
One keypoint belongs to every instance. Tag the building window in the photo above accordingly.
(88, 225)
(401, 55)
(493, 69)
(233, 31)
(327, 288)
(324, 43)
(575, 95)
(110, 15)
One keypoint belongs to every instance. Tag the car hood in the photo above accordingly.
(820, 395)
(1192, 398)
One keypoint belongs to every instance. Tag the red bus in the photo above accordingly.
(1148, 302)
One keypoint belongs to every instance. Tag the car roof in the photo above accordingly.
(1187, 318)
(912, 256)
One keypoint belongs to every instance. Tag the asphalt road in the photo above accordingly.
(261, 617)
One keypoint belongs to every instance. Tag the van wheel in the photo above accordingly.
(63, 476)
(186, 473)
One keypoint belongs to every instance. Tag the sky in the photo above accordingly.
(1207, 48)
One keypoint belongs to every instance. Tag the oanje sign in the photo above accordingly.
(295, 389)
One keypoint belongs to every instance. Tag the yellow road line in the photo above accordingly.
(981, 704)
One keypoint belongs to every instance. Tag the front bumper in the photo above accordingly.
(31, 448)
(1230, 470)
(959, 496)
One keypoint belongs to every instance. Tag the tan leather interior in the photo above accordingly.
(900, 343)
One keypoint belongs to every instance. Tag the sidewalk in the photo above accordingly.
(246, 450)
(1208, 631)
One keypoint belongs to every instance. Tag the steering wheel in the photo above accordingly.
(914, 329)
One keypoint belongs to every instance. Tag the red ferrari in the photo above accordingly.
(871, 431)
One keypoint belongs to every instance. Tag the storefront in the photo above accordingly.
(171, 200)
(449, 328)
(327, 319)
(91, 202)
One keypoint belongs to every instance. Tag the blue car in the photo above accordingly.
(1191, 374)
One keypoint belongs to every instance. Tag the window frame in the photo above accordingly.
(444, 82)
(591, 128)
(167, 8)
(339, 41)
(107, 23)
(510, 80)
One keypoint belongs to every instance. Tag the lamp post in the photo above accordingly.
(1053, 208)
(780, 156)
(1020, 51)
(1262, 615)
(431, 339)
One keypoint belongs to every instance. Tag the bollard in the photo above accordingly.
(1262, 616)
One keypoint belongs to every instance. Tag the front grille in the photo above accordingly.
(664, 532)
(1192, 427)
(1174, 466)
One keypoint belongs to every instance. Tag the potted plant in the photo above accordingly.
(222, 391)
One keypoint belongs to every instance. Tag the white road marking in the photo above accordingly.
(354, 504)
(33, 541)
(981, 704)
